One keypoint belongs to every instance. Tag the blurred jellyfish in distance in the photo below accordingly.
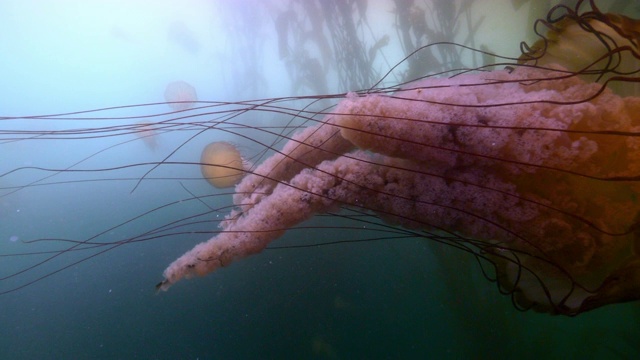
(595, 45)
(180, 95)
(148, 135)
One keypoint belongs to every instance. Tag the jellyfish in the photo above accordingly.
(180, 34)
(148, 135)
(221, 164)
(524, 163)
(608, 47)
(180, 95)
(530, 168)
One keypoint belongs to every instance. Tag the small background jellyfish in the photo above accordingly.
(100, 216)
(180, 95)
(181, 35)
(221, 164)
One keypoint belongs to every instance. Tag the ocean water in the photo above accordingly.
(107, 221)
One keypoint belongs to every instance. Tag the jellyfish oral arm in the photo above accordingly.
(468, 156)
(250, 231)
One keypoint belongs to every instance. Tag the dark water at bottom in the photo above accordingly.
(392, 299)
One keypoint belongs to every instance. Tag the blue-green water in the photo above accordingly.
(379, 300)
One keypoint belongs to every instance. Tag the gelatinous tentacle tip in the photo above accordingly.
(163, 285)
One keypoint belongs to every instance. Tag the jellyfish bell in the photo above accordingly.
(180, 95)
(222, 164)
(597, 46)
